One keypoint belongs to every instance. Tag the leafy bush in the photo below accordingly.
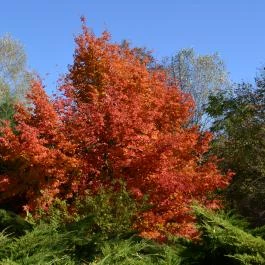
(135, 252)
(111, 212)
(224, 242)
(224, 239)
(13, 224)
(42, 245)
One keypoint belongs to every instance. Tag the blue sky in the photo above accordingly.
(235, 29)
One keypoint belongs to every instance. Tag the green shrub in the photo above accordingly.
(113, 211)
(42, 245)
(136, 252)
(99, 233)
(225, 242)
(13, 224)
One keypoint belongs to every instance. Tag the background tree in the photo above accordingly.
(14, 77)
(199, 75)
(239, 126)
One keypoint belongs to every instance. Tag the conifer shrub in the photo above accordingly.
(227, 240)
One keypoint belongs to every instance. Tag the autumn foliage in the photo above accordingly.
(113, 119)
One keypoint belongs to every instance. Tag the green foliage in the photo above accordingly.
(225, 243)
(42, 245)
(108, 215)
(259, 231)
(95, 219)
(58, 215)
(7, 109)
(134, 252)
(13, 224)
(239, 127)
(113, 211)
(110, 212)
(225, 239)
(73, 244)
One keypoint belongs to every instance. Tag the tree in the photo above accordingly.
(14, 78)
(199, 75)
(115, 121)
(239, 126)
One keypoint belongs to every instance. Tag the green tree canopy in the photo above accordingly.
(239, 127)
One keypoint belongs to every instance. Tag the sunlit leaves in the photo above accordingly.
(115, 120)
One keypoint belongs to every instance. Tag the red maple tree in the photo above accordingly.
(113, 119)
